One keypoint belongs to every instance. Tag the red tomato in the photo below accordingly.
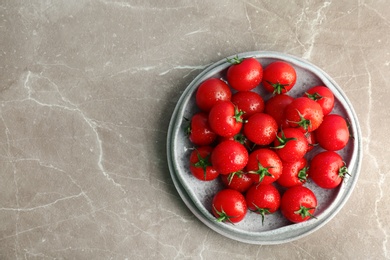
(279, 77)
(294, 173)
(229, 156)
(290, 144)
(200, 132)
(225, 119)
(264, 166)
(327, 169)
(244, 74)
(261, 129)
(304, 113)
(249, 102)
(323, 96)
(275, 107)
(263, 199)
(298, 204)
(333, 133)
(210, 91)
(200, 165)
(238, 181)
(229, 205)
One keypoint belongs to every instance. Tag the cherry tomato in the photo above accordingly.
(304, 113)
(263, 199)
(323, 96)
(200, 132)
(327, 169)
(261, 129)
(244, 74)
(210, 91)
(264, 166)
(239, 181)
(249, 102)
(294, 173)
(229, 205)
(279, 77)
(333, 133)
(229, 156)
(225, 119)
(298, 204)
(200, 164)
(275, 107)
(290, 144)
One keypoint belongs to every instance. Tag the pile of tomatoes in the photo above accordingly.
(259, 149)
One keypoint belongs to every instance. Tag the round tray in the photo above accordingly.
(197, 195)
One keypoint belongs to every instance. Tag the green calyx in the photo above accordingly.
(278, 88)
(343, 171)
(262, 171)
(303, 122)
(238, 115)
(302, 174)
(235, 60)
(304, 212)
(283, 140)
(203, 162)
(262, 212)
(222, 216)
(231, 176)
(315, 96)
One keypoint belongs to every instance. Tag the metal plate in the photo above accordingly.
(197, 195)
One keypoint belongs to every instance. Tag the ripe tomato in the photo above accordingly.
(327, 169)
(249, 102)
(200, 164)
(229, 205)
(279, 77)
(323, 96)
(304, 113)
(229, 156)
(290, 144)
(238, 181)
(210, 91)
(244, 74)
(261, 129)
(199, 131)
(225, 119)
(263, 199)
(264, 166)
(298, 204)
(275, 107)
(294, 173)
(333, 133)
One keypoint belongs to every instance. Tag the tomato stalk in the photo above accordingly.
(315, 96)
(262, 212)
(262, 171)
(222, 216)
(238, 115)
(278, 88)
(283, 140)
(304, 212)
(303, 122)
(343, 171)
(203, 162)
(235, 60)
(302, 175)
(231, 176)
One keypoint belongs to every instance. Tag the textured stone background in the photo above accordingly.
(87, 89)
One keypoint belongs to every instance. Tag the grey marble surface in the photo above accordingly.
(87, 89)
